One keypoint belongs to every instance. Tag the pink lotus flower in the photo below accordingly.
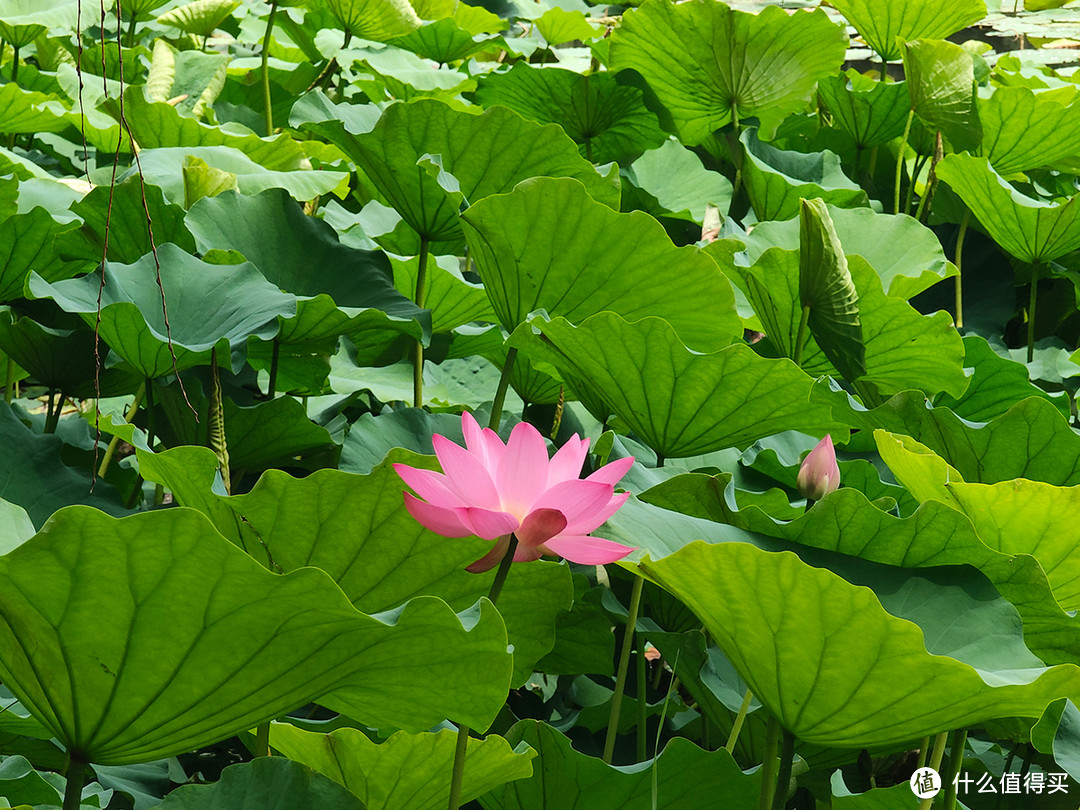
(489, 489)
(819, 475)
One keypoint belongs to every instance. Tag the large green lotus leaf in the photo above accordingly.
(826, 657)
(486, 154)
(996, 384)
(443, 41)
(453, 301)
(1031, 230)
(1022, 130)
(377, 20)
(675, 182)
(710, 64)
(559, 26)
(871, 112)
(165, 168)
(356, 528)
(302, 255)
(608, 120)
(158, 124)
(904, 350)
(19, 17)
(201, 17)
(60, 359)
(30, 111)
(266, 783)
(935, 534)
(394, 74)
(124, 207)
(828, 300)
(264, 434)
(941, 86)
(158, 636)
(906, 254)
(679, 402)
(194, 77)
(880, 22)
(204, 302)
(1030, 440)
(35, 477)
(686, 776)
(776, 180)
(33, 242)
(549, 245)
(407, 770)
(372, 436)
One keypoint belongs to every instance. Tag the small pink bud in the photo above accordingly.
(819, 475)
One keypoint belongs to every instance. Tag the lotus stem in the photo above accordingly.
(115, 441)
(769, 764)
(15, 63)
(500, 392)
(1031, 313)
(740, 718)
(956, 761)
(783, 777)
(271, 387)
(920, 161)
(52, 410)
(262, 739)
(419, 297)
(131, 31)
(642, 682)
(924, 750)
(76, 769)
(265, 71)
(624, 665)
(900, 161)
(935, 763)
(959, 275)
(9, 385)
(458, 774)
(801, 335)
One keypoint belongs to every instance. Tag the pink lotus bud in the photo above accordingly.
(819, 475)
(491, 490)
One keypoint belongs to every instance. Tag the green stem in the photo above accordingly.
(873, 164)
(956, 760)
(265, 72)
(458, 774)
(900, 161)
(801, 335)
(935, 763)
(740, 718)
(500, 392)
(115, 441)
(271, 387)
(642, 682)
(52, 411)
(73, 790)
(783, 777)
(769, 764)
(151, 421)
(957, 260)
(15, 64)
(419, 297)
(9, 385)
(262, 739)
(131, 31)
(1031, 313)
(924, 750)
(920, 161)
(624, 665)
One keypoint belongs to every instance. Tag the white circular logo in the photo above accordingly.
(926, 783)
